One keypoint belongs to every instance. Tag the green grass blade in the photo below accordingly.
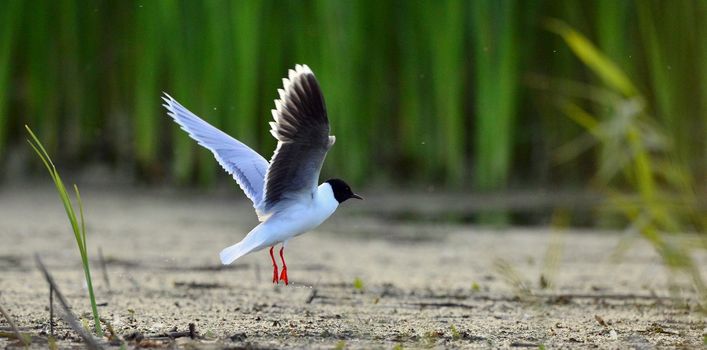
(627, 133)
(339, 80)
(71, 81)
(87, 270)
(10, 14)
(146, 100)
(246, 34)
(411, 117)
(447, 73)
(495, 96)
(79, 230)
(612, 29)
(83, 223)
(181, 58)
(43, 154)
(588, 53)
(43, 78)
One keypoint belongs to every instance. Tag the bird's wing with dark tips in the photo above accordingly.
(246, 166)
(301, 127)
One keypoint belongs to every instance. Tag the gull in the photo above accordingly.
(284, 191)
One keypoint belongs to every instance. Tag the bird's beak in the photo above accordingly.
(356, 196)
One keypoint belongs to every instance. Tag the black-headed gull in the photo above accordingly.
(284, 192)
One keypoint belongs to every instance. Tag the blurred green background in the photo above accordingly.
(465, 95)
(440, 97)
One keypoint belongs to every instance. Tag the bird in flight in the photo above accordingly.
(284, 191)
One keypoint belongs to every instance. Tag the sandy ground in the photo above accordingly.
(418, 284)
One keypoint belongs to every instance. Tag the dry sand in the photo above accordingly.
(423, 284)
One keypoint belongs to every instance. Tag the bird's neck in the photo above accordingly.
(325, 196)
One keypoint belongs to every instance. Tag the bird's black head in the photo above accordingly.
(341, 189)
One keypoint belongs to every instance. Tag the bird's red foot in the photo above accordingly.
(274, 267)
(283, 276)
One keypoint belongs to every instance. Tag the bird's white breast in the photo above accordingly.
(302, 216)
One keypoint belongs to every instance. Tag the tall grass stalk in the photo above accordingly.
(181, 58)
(79, 227)
(671, 33)
(612, 41)
(43, 110)
(700, 11)
(412, 145)
(243, 98)
(545, 132)
(611, 34)
(71, 79)
(214, 52)
(10, 14)
(149, 37)
(273, 67)
(343, 22)
(447, 63)
(495, 81)
(641, 161)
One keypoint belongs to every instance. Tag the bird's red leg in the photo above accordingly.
(274, 266)
(283, 276)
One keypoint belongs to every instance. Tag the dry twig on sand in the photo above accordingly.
(14, 327)
(69, 317)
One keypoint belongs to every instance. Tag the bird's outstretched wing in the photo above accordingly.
(301, 128)
(247, 166)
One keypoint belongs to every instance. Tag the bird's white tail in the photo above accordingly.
(252, 242)
(232, 253)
